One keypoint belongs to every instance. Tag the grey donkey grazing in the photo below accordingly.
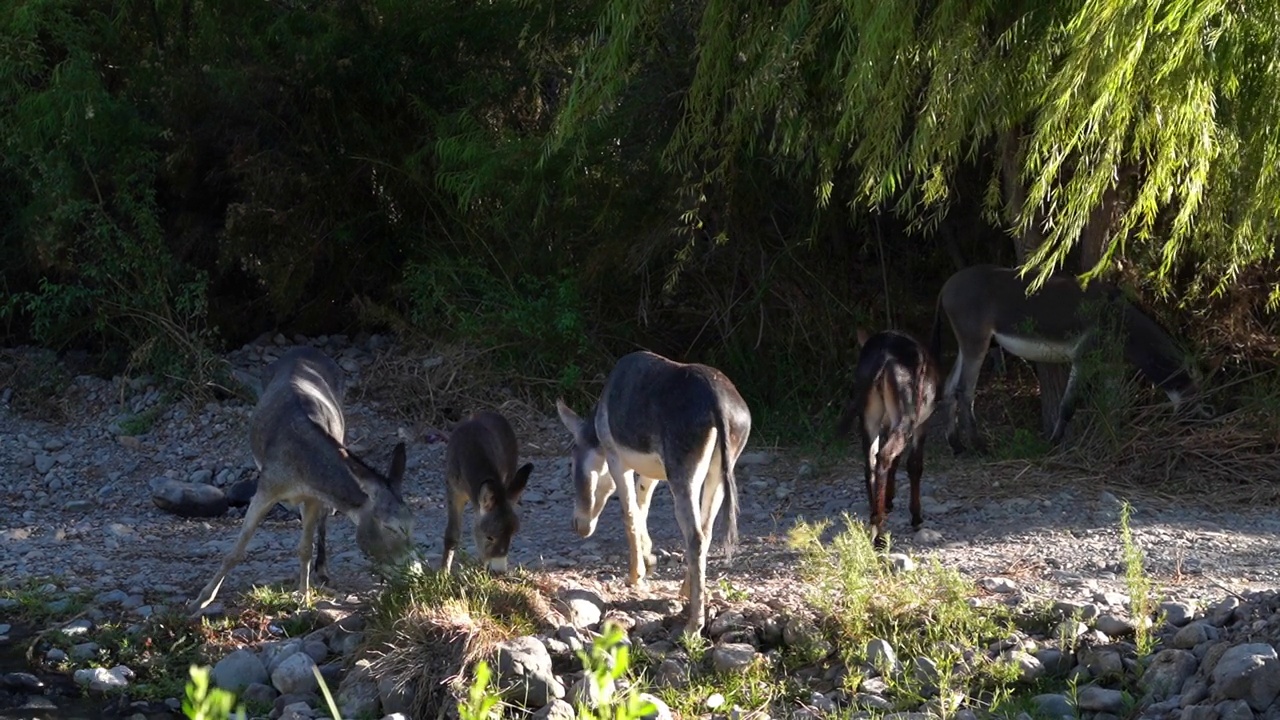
(661, 420)
(296, 434)
(481, 469)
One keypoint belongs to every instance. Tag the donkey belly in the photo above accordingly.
(1038, 349)
(643, 463)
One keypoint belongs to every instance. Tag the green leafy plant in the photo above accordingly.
(1142, 597)
(205, 702)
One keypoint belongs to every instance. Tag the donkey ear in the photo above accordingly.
(517, 483)
(395, 475)
(569, 418)
(862, 336)
(488, 498)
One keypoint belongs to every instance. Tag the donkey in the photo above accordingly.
(480, 468)
(1057, 324)
(894, 391)
(296, 434)
(658, 419)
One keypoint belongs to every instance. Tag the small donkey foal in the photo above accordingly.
(296, 433)
(894, 392)
(480, 468)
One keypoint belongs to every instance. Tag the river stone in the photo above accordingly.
(525, 674)
(1249, 672)
(295, 675)
(1234, 710)
(557, 709)
(880, 654)
(733, 657)
(358, 692)
(1054, 707)
(239, 670)
(1177, 614)
(1192, 635)
(1100, 699)
(1167, 673)
(186, 499)
(585, 608)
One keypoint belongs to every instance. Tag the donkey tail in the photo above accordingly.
(730, 485)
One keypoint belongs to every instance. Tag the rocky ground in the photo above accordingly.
(76, 505)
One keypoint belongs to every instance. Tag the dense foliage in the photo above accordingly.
(736, 182)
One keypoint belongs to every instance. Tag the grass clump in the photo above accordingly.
(427, 629)
(925, 615)
(35, 602)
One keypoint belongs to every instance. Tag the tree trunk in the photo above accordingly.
(1051, 376)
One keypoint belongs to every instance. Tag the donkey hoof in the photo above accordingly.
(650, 561)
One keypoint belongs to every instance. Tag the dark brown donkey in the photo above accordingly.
(894, 389)
(1057, 324)
(480, 468)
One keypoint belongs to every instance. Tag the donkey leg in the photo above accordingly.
(320, 567)
(644, 496)
(713, 490)
(886, 458)
(915, 468)
(259, 506)
(626, 484)
(695, 556)
(967, 390)
(876, 493)
(1067, 407)
(891, 491)
(312, 511)
(867, 468)
(456, 503)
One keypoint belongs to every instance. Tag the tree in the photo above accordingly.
(1142, 130)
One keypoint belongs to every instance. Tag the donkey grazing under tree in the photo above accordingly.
(480, 468)
(296, 434)
(661, 420)
(1057, 324)
(894, 391)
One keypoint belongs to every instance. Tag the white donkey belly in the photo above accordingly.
(648, 464)
(1040, 349)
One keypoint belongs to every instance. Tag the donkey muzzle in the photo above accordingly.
(498, 565)
(583, 527)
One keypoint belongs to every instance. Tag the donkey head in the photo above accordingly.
(497, 521)
(589, 470)
(384, 523)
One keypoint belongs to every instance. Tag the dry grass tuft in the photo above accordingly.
(428, 631)
(1155, 452)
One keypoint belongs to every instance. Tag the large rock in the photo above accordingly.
(358, 692)
(525, 674)
(295, 675)
(1100, 699)
(1166, 674)
(733, 657)
(185, 499)
(239, 670)
(582, 607)
(1248, 672)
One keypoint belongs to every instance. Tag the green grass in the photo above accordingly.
(41, 602)
(141, 423)
(923, 613)
(1142, 597)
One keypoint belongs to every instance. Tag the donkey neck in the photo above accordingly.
(1149, 348)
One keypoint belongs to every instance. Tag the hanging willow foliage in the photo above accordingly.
(1170, 103)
